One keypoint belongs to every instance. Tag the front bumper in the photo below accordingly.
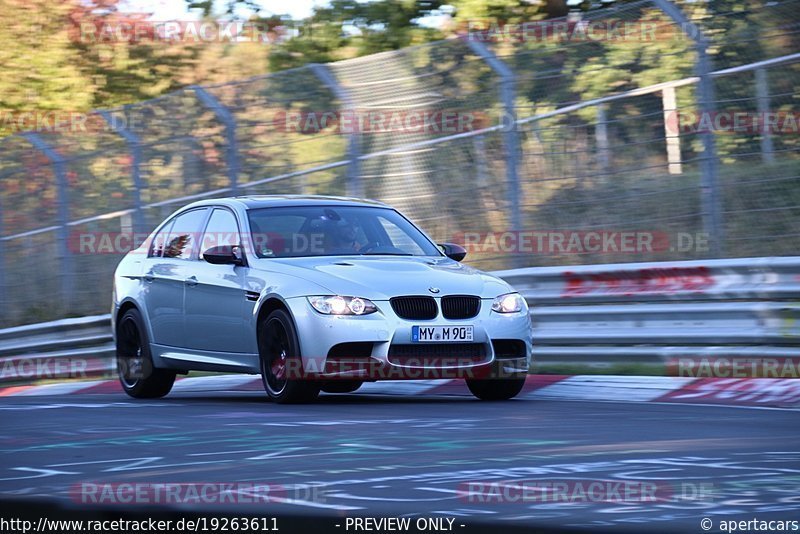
(319, 333)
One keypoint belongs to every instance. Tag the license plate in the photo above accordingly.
(440, 334)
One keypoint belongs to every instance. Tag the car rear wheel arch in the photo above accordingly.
(144, 379)
(123, 308)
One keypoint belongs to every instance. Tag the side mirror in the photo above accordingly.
(224, 255)
(453, 251)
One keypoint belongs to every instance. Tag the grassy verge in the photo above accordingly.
(622, 368)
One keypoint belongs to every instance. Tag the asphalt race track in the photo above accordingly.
(392, 456)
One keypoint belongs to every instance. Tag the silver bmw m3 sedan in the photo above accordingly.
(314, 294)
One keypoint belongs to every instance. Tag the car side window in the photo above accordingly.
(183, 236)
(276, 236)
(160, 239)
(222, 229)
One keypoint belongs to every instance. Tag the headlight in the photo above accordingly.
(336, 305)
(509, 303)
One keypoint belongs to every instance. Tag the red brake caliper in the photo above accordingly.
(278, 366)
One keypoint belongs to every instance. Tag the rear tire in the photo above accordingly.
(279, 355)
(138, 376)
(496, 389)
(341, 386)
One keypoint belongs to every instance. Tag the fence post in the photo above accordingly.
(354, 186)
(226, 117)
(709, 190)
(510, 135)
(762, 103)
(601, 139)
(669, 104)
(135, 148)
(4, 314)
(62, 187)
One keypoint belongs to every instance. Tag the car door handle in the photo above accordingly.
(191, 281)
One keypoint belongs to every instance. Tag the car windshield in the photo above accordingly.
(300, 231)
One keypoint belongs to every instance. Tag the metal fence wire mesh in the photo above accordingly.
(566, 136)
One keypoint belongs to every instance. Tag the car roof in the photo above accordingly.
(270, 201)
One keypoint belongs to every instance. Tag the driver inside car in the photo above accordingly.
(341, 237)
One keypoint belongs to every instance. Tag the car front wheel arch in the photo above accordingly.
(280, 360)
(269, 306)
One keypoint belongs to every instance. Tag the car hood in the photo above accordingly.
(383, 277)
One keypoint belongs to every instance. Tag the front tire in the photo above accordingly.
(279, 351)
(138, 376)
(496, 389)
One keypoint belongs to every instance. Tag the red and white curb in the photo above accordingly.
(765, 392)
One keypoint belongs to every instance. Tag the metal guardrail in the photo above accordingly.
(730, 279)
(590, 314)
(19, 334)
(550, 149)
(657, 312)
(84, 345)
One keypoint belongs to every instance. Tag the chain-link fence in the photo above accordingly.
(642, 132)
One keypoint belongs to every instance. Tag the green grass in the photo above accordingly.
(622, 368)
